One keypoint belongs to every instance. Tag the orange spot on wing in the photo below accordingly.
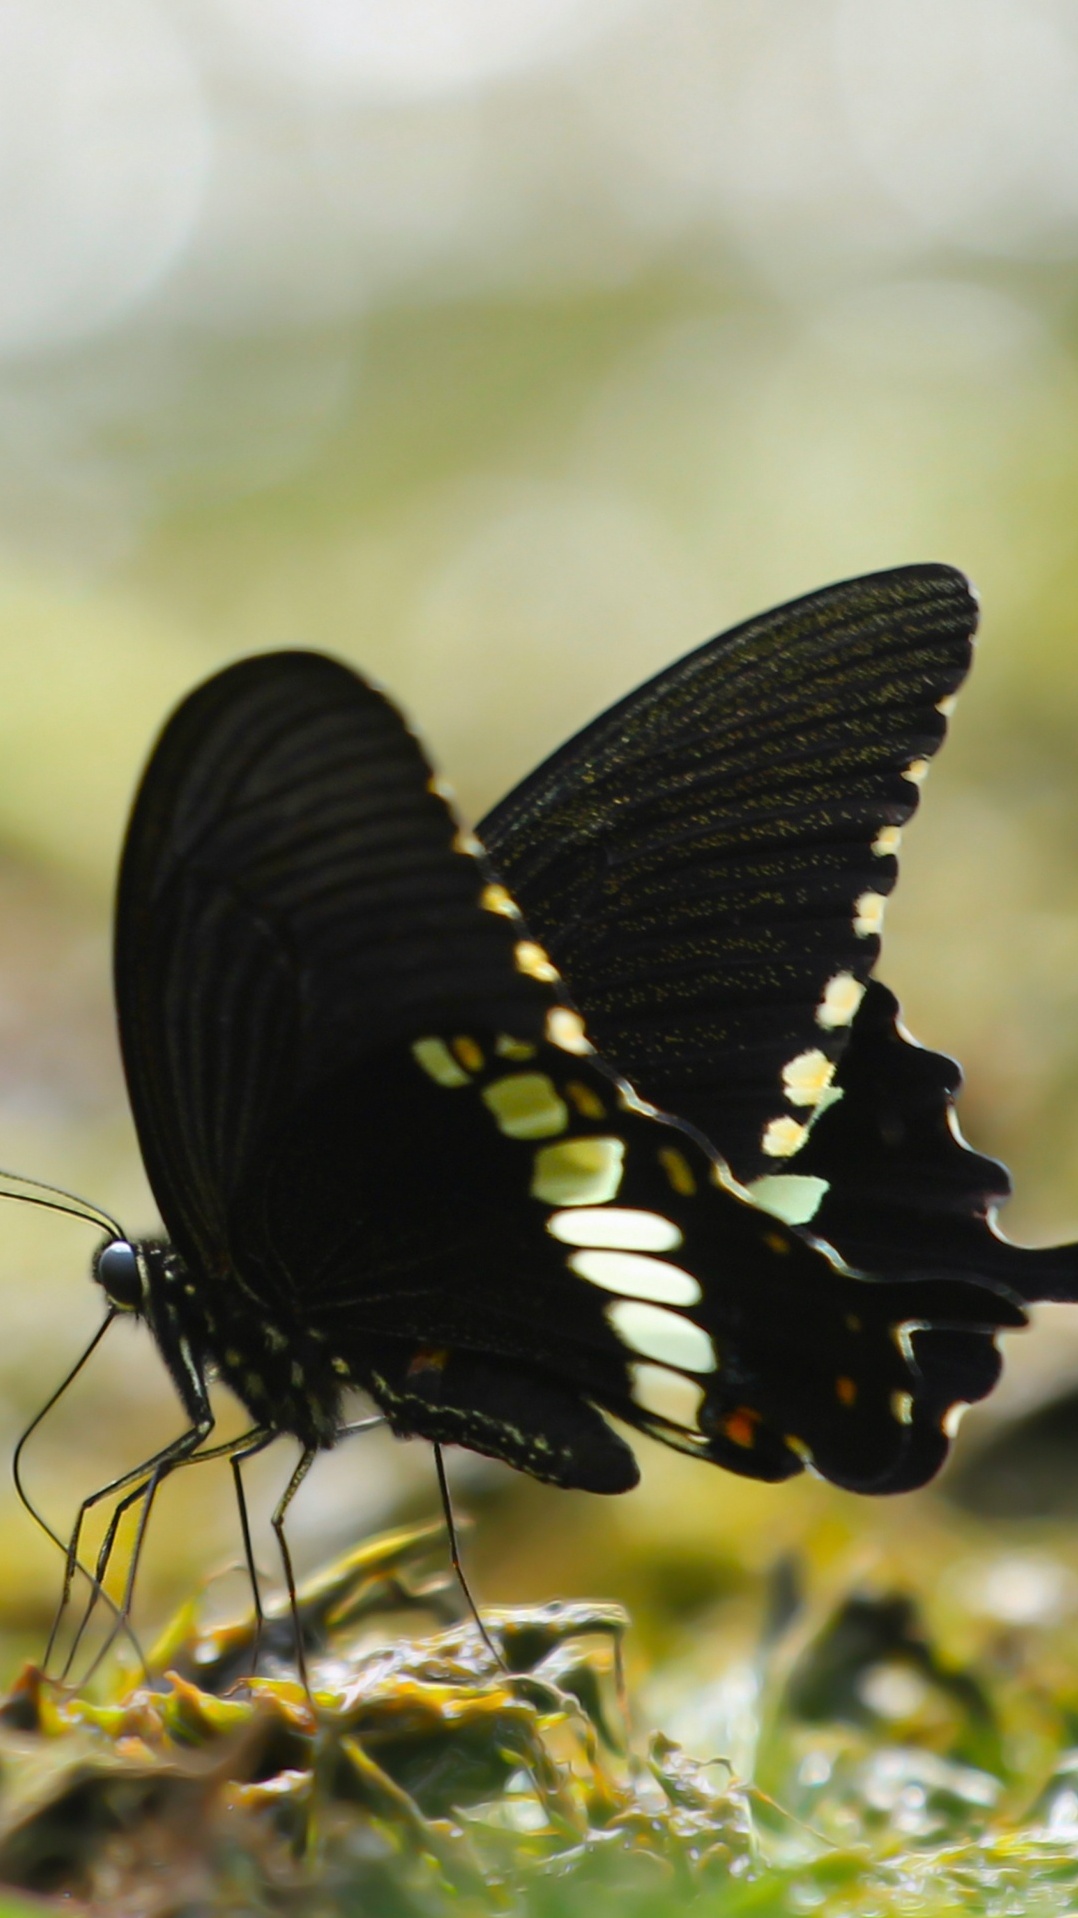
(740, 1426)
(428, 1358)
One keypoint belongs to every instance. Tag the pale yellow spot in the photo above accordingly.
(916, 771)
(657, 1334)
(776, 1243)
(798, 1447)
(947, 704)
(630, 1100)
(507, 1047)
(782, 1138)
(494, 898)
(887, 840)
(232, 1357)
(436, 1060)
(794, 1197)
(902, 1407)
(637, 1276)
(841, 997)
(342, 1366)
(466, 842)
(578, 1172)
(806, 1078)
(469, 1054)
(953, 1416)
(846, 1391)
(588, 1103)
(868, 914)
(564, 1027)
(618, 1227)
(678, 1170)
(297, 1372)
(532, 960)
(667, 1395)
(441, 788)
(526, 1105)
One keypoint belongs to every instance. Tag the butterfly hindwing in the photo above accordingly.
(565, 1247)
(899, 1188)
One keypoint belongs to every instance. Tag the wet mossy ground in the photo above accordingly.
(422, 1777)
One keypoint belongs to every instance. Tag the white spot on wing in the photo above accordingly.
(616, 1227)
(494, 898)
(792, 1196)
(783, 1137)
(868, 914)
(807, 1077)
(533, 962)
(637, 1276)
(565, 1028)
(841, 997)
(947, 704)
(953, 1416)
(667, 1395)
(902, 1407)
(662, 1336)
(887, 840)
(916, 771)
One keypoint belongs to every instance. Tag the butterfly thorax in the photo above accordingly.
(206, 1328)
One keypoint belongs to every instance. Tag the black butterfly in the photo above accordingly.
(388, 1157)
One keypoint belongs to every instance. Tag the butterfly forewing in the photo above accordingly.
(293, 894)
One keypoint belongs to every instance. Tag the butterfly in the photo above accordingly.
(599, 1113)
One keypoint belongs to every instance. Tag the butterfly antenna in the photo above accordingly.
(55, 1198)
(454, 1553)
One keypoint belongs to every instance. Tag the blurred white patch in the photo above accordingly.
(892, 1691)
(105, 146)
(407, 48)
(1021, 1588)
(966, 114)
(554, 574)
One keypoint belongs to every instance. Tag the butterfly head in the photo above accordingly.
(121, 1274)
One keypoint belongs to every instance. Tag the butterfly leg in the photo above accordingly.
(140, 1476)
(244, 1446)
(454, 1554)
(251, 1443)
(277, 1521)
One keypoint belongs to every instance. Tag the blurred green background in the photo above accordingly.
(509, 352)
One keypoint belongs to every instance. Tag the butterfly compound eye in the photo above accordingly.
(116, 1268)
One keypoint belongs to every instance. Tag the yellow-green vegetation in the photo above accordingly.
(886, 1766)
